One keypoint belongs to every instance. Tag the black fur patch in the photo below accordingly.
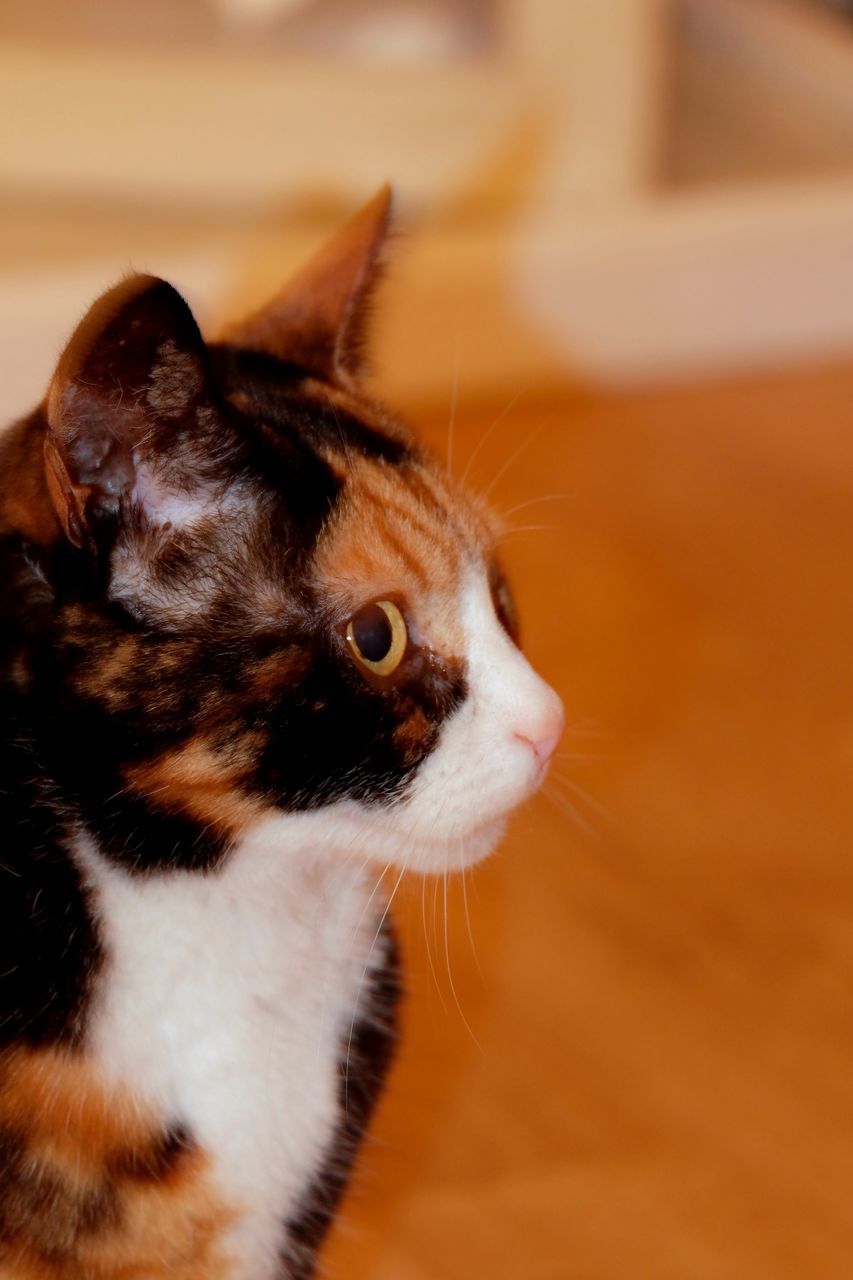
(154, 1162)
(334, 737)
(49, 948)
(274, 390)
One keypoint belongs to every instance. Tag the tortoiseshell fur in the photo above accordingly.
(185, 530)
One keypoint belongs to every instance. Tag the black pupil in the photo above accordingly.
(371, 631)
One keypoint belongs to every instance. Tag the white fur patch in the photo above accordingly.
(225, 1004)
(224, 521)
(166, 503)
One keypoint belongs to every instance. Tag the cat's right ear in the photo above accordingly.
(133, 373)
(319, 319)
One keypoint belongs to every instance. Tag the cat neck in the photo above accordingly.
(254, 1004)
(306, 856)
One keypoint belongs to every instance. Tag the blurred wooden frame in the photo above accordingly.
(239, 128)
(590, 267)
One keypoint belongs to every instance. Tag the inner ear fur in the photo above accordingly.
(134, 370)
(319, 319)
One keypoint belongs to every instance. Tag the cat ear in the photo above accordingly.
(319, 318)
(133, 372)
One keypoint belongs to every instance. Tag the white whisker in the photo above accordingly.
(454, 391)
(596, 806)
(453, 991)
(530, 502)
(490, 431)
(565, 806)
(357, 1001)
(525, 444)
(528, 528)
(468, 920)
(432, 967)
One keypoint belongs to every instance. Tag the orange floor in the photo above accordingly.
(658, 1076)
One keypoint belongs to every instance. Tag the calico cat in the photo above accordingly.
(255, 646)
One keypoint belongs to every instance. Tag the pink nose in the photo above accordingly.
(544, 737)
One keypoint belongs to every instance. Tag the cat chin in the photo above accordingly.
(348, 831)
(437, 857)
(383, 838)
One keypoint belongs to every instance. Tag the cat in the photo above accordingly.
(255, 647)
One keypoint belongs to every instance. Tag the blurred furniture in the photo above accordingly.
(240, 123)
(616, 191)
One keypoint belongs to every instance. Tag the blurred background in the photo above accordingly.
(621, 303)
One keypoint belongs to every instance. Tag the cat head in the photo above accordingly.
(271, 602)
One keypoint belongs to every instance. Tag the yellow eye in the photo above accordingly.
(377, 637)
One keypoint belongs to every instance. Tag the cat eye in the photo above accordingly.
(377, 637)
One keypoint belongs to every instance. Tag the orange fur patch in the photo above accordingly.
(201, 782)
(106, 678)
(83, 1192)
(268, 675)
(414, 535)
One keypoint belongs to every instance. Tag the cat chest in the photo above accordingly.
(226, 1003)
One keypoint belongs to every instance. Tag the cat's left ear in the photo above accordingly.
(319, 319)
(130, 385)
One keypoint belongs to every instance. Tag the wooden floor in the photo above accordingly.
(658, 1076)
